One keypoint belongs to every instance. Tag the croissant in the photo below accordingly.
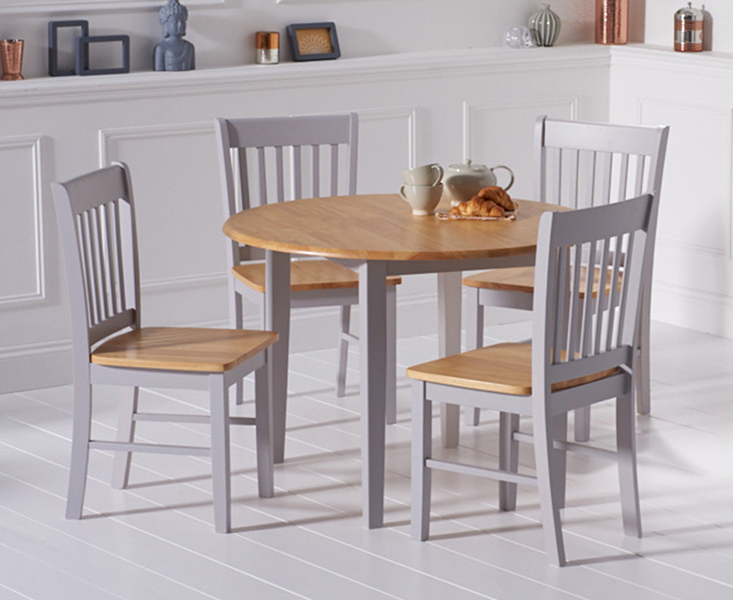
(478, 207)
(498, 195)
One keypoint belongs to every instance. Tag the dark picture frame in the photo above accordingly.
(53, 45)
(313, 41)
(82, 54)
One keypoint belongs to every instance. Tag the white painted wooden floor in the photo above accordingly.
(156, 539)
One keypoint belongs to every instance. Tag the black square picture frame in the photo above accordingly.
(313, 41)
(82, 54)
(53, 45)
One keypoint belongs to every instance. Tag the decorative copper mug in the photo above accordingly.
(11, 54)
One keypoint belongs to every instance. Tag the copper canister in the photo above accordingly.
(267, 45)
(612, 21)
(688, 29)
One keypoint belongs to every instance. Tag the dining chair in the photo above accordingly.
(265, 160)
(577, 165)
(96, 216)
(583, 351)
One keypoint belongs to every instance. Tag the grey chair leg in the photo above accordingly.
(422, 443)
(643, 367)
(125, 433)
(263, 428)
(474, 319)
(581, 425)
(220, 466)
(343, 350)
(560, 462)
(628, 480)
(545, 457)
(81, 430)
(508, 459)
(391, 393)
(238, 323)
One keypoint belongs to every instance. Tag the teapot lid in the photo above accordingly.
(689, 14)
(468, 166)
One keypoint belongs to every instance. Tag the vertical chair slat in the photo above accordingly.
(591, 178)
(316, 159)
(607, 167)
(262, 166)
(243, 177)
(334, 170)
(110, 244)
(625, 284)
(557, 199)
(280, 174)
(641, 169)
(613, 299)
(623, 179)
(121, 283)
(601, 297)
(81, 229)
(573, 183)
(573, 314)
(99, 261)
(297, 173)
(561, 292)
(92, 264)
(587, 311)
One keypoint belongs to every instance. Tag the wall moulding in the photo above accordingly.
(38, 6)
(29, 149)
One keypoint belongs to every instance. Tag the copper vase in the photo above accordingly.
(11, 54)
(612, 21)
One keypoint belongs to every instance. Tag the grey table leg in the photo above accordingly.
(277, 318)
(449, 332)
(373, 347)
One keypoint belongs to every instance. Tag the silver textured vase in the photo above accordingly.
(544, 26)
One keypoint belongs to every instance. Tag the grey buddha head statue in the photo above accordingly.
(173, 17)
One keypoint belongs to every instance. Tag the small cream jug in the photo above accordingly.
(463, 182)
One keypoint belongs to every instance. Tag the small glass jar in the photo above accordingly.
(267, 47)
(688, 29)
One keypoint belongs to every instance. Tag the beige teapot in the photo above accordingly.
(463, 182)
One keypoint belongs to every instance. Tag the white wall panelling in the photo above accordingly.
(161, 124)
(503, 134)
(21, 221)
(693, 278)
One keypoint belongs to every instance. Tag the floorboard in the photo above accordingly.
(155, 539)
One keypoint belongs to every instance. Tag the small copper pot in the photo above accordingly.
(11, 54)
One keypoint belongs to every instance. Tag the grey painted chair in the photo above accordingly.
(265, 160)
(96, 216)
(577, 165)
(583, 351)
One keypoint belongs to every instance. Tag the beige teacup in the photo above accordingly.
(422, 198)
(424, 175)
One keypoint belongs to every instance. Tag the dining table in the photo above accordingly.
(377, 235)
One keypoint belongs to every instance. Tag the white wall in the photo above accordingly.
(414, 108)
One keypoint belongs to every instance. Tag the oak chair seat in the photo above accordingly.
(521, 279)
(183, 348)
(305, 275)
(502, 368)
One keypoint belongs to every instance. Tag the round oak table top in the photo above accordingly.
(382, 227)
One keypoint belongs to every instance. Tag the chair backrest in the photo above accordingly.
(577, 333)
(580, 165)
(96, 217)
(284, 158)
